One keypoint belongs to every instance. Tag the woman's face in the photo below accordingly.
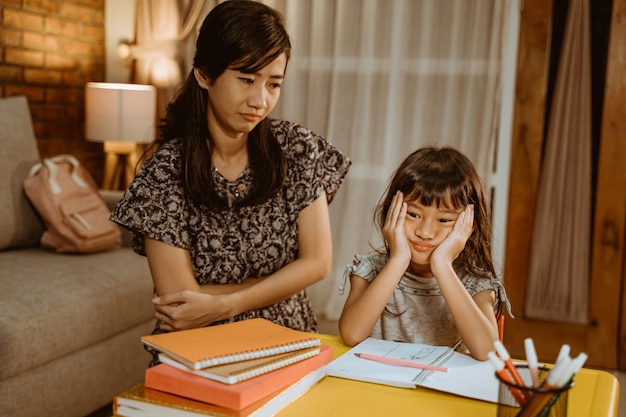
(238, 101)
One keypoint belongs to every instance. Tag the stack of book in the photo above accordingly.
(252, 367)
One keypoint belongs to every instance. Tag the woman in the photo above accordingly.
(231, 209)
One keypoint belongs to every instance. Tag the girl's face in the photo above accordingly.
(425, 228)
(238, 101)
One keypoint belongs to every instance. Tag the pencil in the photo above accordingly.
(502, 373)
(563, 353)
(400, 362)
(531, 358)
(508, 364)
(535, 406)
(565, 381)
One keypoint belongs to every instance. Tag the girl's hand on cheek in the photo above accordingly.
(393, 230)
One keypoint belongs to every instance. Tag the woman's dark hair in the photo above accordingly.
(446, 178)
(245, 36)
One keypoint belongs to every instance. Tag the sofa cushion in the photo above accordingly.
(53, 304)
(19, 223)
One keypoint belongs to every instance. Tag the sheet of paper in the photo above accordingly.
(465, 376)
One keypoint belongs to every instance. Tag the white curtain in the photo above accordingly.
(381, 78)
(558, 280)
(162, 30)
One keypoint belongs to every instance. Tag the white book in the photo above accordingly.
(464, 375)
(141, 402)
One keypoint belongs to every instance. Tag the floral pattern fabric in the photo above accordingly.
(232, 244)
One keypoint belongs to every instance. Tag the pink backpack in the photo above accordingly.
(69, 203)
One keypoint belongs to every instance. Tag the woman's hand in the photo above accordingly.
(190, 309)
(393, 231)
(453, 244)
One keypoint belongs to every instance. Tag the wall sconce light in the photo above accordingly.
(125, 51)
(161, 66)
(121, 116)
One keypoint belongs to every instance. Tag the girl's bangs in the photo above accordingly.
(428, 193)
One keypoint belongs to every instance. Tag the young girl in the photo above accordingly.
(434, 282)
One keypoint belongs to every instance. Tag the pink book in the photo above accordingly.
(237, 396)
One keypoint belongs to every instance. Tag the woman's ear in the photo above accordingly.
(203, 80)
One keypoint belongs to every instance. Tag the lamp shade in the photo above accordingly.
(120, 112)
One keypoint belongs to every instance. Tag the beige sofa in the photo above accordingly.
(70, 325)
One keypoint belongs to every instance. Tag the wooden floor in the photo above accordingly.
(106, 411)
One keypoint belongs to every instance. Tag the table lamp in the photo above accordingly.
(122, 116)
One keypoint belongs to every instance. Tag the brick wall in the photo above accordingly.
(49, 49)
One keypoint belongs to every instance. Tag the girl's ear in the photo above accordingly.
(203, 80)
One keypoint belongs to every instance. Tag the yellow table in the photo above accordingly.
(595, 394)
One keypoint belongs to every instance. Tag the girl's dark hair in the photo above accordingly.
(245, 36)
(447, 178)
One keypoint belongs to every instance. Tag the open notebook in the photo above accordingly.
(464, 375)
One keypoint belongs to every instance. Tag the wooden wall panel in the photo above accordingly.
(607, 292)
(528, 126)
(603, 338)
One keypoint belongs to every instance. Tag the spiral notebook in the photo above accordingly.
(231, 373)
(231, 342)
(235, 396)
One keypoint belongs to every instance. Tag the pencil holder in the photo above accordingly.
(528, 401)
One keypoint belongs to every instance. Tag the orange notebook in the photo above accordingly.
(231, 342)
(232, 373)
(236, 396)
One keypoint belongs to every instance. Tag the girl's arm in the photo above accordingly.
(185, 304)
(474, 317)
(366, 301)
